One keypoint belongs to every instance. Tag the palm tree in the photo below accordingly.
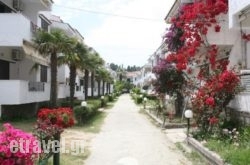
(92, 62)
(74, 59)
(50, 44)
(109, 81)
(98, 62)
(106, 78)
(101, 75)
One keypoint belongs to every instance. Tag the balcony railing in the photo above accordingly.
(22, 92)
(14, 28)
(245, 80)
(36, 86)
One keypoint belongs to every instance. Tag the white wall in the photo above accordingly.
(14, 28)
(241, 102)
(31, 9)
(61, 74)
(226, 36)
(239, 54)
(21, 70)
(63, 91)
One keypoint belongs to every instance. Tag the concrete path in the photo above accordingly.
(129, 138)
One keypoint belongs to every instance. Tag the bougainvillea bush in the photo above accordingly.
(17, 147)
(211, 99)
(194, 20)
(50, 125)
(169, 81)
(62, 117)
(215, 84)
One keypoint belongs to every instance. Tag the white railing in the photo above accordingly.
(17, 92)
(241, 102)
(14, 28)
(36, 86)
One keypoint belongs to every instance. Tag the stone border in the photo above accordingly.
(211, 156)
(167, 125)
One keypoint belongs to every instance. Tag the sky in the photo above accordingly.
(124, 32)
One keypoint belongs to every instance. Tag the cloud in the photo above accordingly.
(119, 39)
(124, 35)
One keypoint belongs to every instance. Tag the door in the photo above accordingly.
(4, 70)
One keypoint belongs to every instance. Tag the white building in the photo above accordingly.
(145, 77)
(18, 83)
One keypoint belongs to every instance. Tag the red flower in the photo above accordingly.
(210, 101)
(246, 37)
(217, 28)
(62, 117)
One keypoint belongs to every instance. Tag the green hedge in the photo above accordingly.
(83, 114)
(66, 103)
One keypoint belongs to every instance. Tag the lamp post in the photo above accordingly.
(84, 107)
(84, 104)
(144, 102)
(188, 114)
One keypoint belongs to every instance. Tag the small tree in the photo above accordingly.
(169, 81)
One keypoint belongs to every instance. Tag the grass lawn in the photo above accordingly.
(232, 154)
(25, 125)
(83, 132)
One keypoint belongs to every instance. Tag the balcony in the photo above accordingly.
(22, 92)
(14, 28)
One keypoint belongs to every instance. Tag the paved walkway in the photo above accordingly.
(129, 138)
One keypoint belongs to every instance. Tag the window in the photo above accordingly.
(44, 25)
(43, 73)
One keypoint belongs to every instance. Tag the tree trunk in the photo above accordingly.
(72, 80)
(103, 87)
(107, 87)
(86, 83)
(179, 104)
(92, 83)
(99, 88)
(53, 84)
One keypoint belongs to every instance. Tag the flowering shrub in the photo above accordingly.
(26, 147)
(169, 80)
(210, 99)
(61, 117)
(186, 39)
(50, 125)
(173, 38)
(193, 21)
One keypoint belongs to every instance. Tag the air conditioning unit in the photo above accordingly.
(18, 5)
(16, 55)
